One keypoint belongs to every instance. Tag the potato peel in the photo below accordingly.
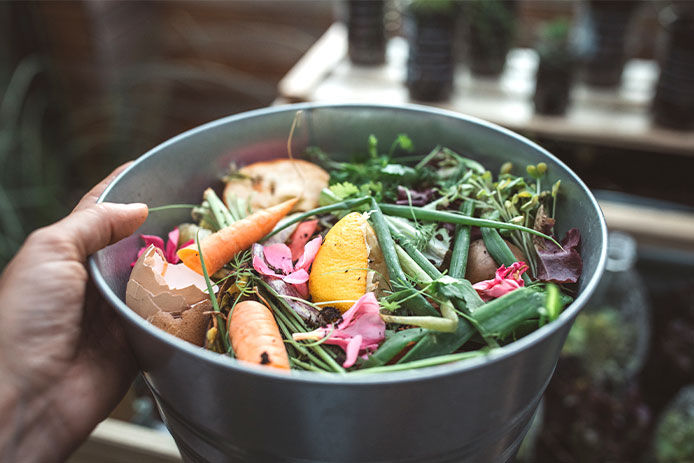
(267, 183)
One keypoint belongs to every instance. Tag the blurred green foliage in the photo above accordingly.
(605, 342)
(674, 434)
(31, 174)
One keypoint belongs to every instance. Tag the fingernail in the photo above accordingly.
(134, 205)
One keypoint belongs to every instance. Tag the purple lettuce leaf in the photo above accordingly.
(419, 198)
(559, 265)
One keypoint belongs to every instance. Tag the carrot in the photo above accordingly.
(255, 337)
(220, 247)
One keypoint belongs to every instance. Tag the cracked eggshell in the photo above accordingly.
(170, 296)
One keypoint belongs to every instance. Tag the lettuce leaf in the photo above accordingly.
(560, 265)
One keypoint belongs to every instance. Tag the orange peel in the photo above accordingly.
(348, 264)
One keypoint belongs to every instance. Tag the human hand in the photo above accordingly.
(64, 363)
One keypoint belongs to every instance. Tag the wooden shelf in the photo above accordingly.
(115, 441)
(618, 118)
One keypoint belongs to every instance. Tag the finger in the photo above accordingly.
(93, 194)
(94, 227)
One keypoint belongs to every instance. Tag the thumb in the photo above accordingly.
(91, 228)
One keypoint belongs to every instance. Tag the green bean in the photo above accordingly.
(417, 303)
(499, 317)
(553, 303)
(393, 346)
(411, 268)
(499, 250)
(435, 344)
(421, 262)
(502, 315)
(415, 254)
(458, 264)
(427, 215)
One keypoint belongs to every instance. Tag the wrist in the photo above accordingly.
(9, 410)
(28, 430)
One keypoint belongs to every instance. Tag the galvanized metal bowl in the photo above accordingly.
(219, 410)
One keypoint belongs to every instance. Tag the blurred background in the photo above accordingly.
(608, 86)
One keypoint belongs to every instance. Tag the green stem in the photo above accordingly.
(457, 218)
(458, 264)
(428, 362)
(172, 206)
(305, 366)
(343, 205)
(428, 157)
(210, 292)
(299, 327)
(449, 320)
(441, 324)
(219, 210)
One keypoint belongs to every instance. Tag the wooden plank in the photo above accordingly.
(115, 441)
(312, 67)
(658, 227)
(619, 118)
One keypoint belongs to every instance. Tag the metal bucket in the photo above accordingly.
(218, 410)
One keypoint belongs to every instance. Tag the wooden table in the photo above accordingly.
(611, 118)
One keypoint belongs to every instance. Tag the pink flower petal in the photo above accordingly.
(168, 250)
(280, 257)
(139, 253)
(302, 288)
(261, 267)
(295, 278)
(153, 239)
(361, 330)
(352, 351)
(505, 281)
(171, 246)
(310, 251)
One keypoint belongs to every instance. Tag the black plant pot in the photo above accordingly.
(604, 24)
(553, 83)
(673, 103)
(366, 32)
(490, 34)
(430, 65)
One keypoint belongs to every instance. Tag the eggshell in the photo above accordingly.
(268, 183)
(171, 297)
